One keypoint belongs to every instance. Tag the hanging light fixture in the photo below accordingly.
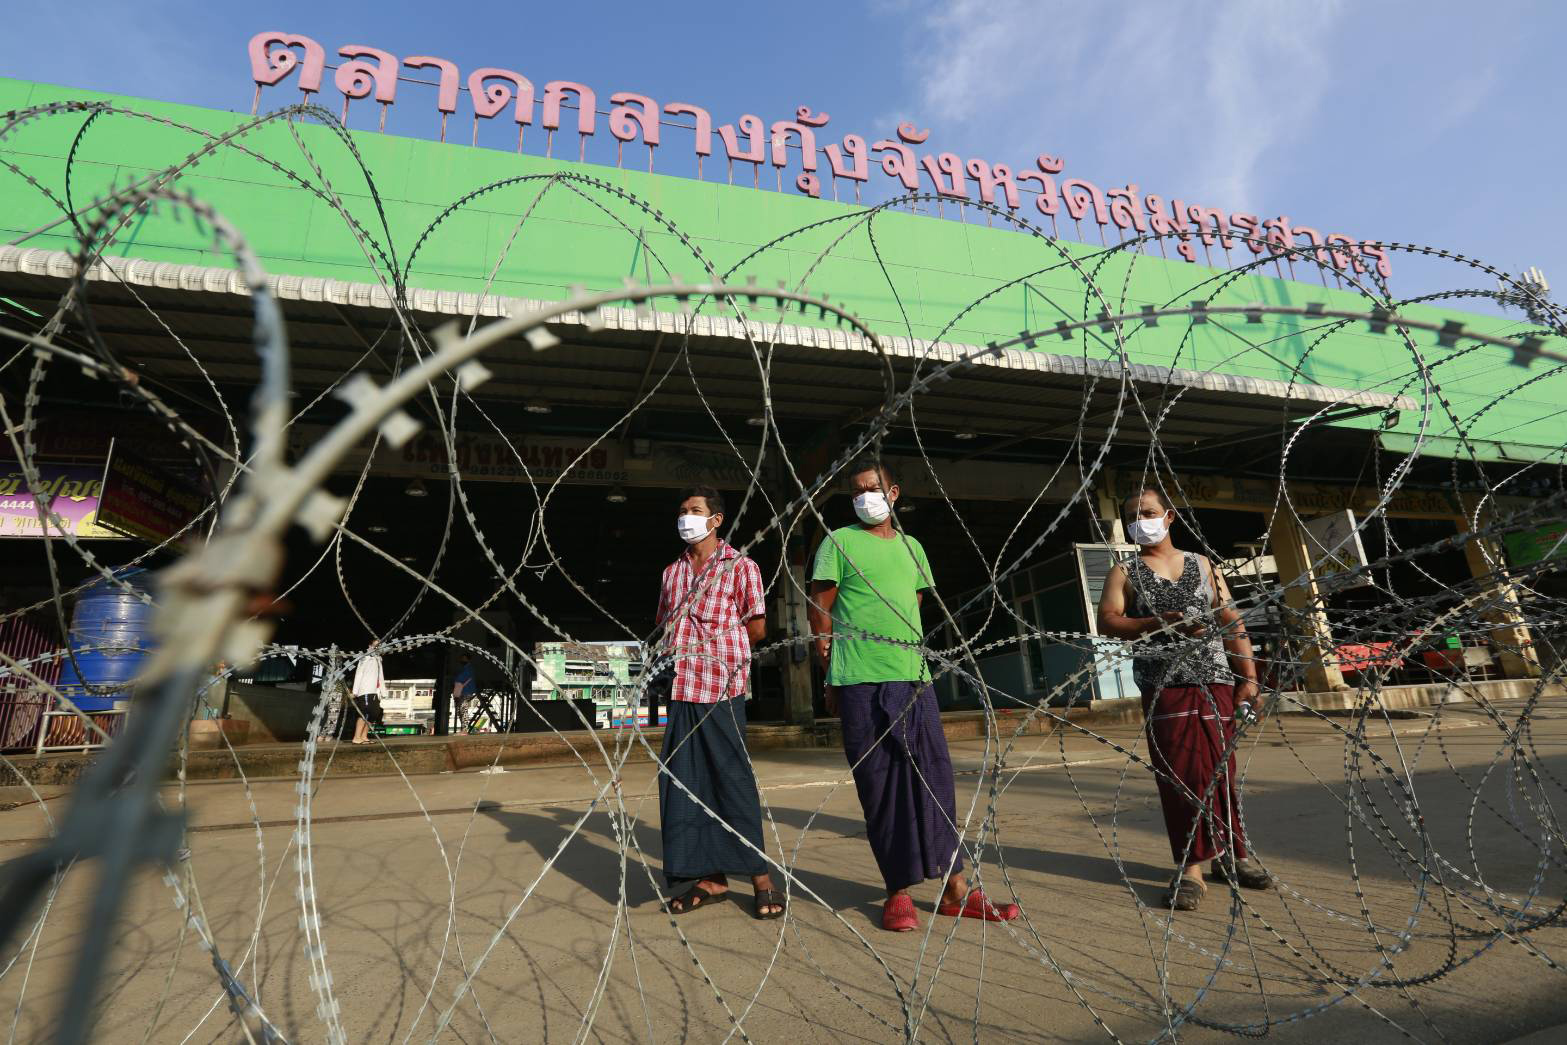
(416, 489)
(966, 434)
(616, 495)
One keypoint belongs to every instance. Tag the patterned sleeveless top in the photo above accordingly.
(1171, 659)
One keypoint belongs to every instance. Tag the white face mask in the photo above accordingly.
(692, 527)
(1148, 531)
(871, 507)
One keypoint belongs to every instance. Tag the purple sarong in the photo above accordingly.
(893, 738)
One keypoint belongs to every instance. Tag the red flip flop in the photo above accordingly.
(978, 905)
(897, 915)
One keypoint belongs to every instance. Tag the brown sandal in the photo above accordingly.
(1246, 875)
(1185, 894)
(693, 898)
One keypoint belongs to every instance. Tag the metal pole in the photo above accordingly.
(443, 700)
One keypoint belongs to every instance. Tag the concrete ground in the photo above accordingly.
(429, 882)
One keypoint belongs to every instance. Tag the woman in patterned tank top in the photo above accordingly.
(1192, 661)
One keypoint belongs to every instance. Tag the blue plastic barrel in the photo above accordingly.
(111, 635)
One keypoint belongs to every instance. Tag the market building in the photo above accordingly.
(572, 460)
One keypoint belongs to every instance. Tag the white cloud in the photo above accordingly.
(1217, 86)
(1462, 97)
(1267, 74)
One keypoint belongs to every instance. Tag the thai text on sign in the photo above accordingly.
(142, 500)
(566, 105)
(70, 494)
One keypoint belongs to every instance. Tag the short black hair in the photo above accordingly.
(714, 499)
(868, 463)
(1133, 498)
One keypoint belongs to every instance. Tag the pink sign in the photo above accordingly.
(71, 492)
(369, 73)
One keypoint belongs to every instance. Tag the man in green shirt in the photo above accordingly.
(867, 586)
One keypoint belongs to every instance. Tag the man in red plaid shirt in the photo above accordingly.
(712, 608)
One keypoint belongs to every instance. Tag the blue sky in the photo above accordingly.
(1428, 121)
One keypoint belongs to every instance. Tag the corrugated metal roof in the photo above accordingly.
(201, 279)
(1452, 448)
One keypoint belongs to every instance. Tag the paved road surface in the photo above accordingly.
(420, 883)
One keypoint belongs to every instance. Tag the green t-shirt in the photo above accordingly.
(877, 581)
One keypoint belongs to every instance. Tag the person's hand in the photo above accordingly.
(830, 698)
(1246, 691)
(823, 649)
(1183, 624)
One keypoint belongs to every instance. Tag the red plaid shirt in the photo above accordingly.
(708, 636)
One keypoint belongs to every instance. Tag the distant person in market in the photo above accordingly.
(867, 586)
(1193, 664)
(463, 682)
(712, 609)
(464, 685)
(368, 690)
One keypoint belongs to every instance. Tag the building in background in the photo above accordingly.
(410, 700)
(620, 416)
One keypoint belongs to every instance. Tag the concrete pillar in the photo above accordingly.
(795, 662)
(1510, 640)
(441, 706)
(1110, 513)
(1307, 614)
(811, 458)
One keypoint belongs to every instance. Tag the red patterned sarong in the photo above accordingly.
(1188, 729)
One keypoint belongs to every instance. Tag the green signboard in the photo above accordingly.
(956, 277)
(1537, 545)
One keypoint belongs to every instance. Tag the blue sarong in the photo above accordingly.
(704, 747)
(892, 736)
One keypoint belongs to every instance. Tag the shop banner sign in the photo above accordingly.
(142, 500)
(547, 459)
(683, 464)
(1334, 536)
(1538, 545)
(479, 456)
(492, 457)
(71, 491)
(1212, 491)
